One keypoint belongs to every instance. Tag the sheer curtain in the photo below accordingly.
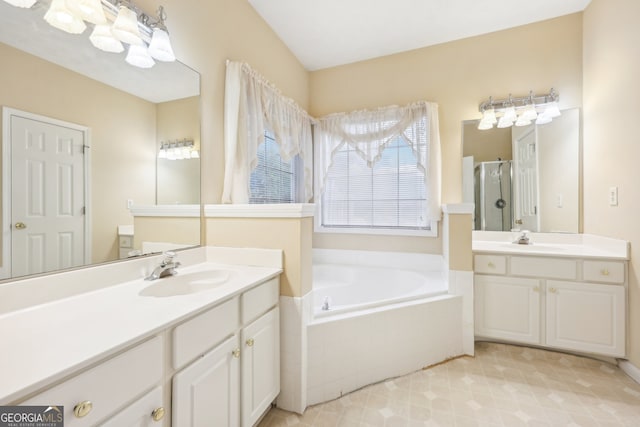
(251, 103)
(368, 132)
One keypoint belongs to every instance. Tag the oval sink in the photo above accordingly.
(185, 284)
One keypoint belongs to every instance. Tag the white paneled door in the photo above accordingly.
(525, 194)
(48, 206)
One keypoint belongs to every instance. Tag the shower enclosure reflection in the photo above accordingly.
(492, 190)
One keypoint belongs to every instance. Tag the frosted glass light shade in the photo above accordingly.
(522, 121)
(195, 154)
(160, 46)
(21, 3)
(543, 119)
(125, 28)
(89, 10)
(504, 122)
(510, 114)
(552, 110)
(62, 18)
(138, 56)
(489, 116)
(103, 39)
(529, 113)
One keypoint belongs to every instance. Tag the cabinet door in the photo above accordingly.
(206, 392)
(260, 366)
(586, 317)
(507, 308)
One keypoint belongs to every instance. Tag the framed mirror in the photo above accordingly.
(60, 94)
(525, 177)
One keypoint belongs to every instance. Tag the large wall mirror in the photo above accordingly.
(106, 121)
(525, 177)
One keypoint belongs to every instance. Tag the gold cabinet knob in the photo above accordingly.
(491, 265)
(250, 342)
(20, 225)
(553, 290)
(158, 414)
(605, 272)
(236, 353)
(82, 409)
(536, 289)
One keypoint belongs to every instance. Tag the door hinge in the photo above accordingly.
(83, 210)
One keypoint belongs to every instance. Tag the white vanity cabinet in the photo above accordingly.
(232, 383)
(565, 303)
(90, 397)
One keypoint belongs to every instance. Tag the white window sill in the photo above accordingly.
(433, 232)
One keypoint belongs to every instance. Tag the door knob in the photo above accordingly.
(20, 225)
(518, 221)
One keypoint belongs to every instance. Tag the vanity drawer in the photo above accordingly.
(543, 267)
(603, 271)
(104, 388)
(259, 300)
(194, 337)
(490, 264)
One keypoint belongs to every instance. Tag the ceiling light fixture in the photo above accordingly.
(519, 111)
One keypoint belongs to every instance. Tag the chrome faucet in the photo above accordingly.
(167, 267)
(523, 238)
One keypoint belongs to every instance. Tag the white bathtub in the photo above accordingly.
(338, 288)
(388, 314)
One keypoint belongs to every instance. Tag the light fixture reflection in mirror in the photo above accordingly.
(537, 165)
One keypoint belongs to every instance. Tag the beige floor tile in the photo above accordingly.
(502, 386)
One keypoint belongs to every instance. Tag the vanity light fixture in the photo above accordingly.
(115, 22)
(178, 150)
(60, 16)
(21, 3)
(519, 111)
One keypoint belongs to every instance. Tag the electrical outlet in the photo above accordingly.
(129, 203)
(613, 196)
(559, 201)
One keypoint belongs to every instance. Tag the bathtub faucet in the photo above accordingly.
(325, 304)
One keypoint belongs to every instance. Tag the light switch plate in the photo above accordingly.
(613, 196)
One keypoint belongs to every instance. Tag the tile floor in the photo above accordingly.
(503, 385)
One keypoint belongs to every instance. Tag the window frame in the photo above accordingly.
(432, 231)
(298, 174)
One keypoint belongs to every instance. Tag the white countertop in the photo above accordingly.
(46, 342)
(551, 244)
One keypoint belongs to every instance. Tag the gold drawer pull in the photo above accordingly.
(491, 265)
(536, 289)
(553, 290)
(236, 353)
(82, 409)
(605, 272)
(250, 342)
(158, 414)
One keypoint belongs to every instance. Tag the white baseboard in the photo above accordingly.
(630, 369)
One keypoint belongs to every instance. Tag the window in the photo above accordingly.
(389, 195)
(274, 180)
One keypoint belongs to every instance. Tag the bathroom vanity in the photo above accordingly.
(566, 292)
(200, 348)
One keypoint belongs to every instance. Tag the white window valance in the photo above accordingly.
(368, 132)
(252, 104)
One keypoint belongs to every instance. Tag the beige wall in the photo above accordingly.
(122, 136)
(486, 145)
(611, 146)
(458, 76)
(292, 235)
